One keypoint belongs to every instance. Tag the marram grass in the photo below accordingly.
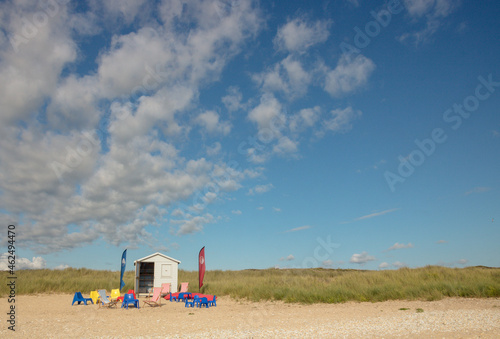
(69, 280)
(289, 285)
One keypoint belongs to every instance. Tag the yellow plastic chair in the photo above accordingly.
(95, 296)
(115, 294)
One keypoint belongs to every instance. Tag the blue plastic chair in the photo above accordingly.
(129, 299)
(172, 297)
(196, 300)
(79, 298)
(183, 296)
(203, 301)
(213, 303)
(189, 303)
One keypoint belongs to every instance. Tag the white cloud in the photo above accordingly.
(398, 246)
(30, 160)
(178, 212)
(341, 120)
(156, 111)
(255, 156)
(349, 75)
(298, 78)
(119, 180)
(383, 265)
(441, 242)
(418, 7)
(285, 145)
(478, 189)
(290, 257)
(276, 209)
(298, 35)
(362, 258)
(214, 149)
(306, 117)
(36, 263)
(232, 100)
(61, 267)
(396, 264)
(327, 263)
(287, 76)
(210, 121)
(32, 61)
(73, 103)
(399, 264)
(301, 228)
(460, 262)
(152, 57)
(272, 79)
(376, 214)
(272, 126)
(193, 224)
(268, 110)
(254, 172)
(432, 13)
(355, 3)
(236, 212)
(259, 189)
(126, 9)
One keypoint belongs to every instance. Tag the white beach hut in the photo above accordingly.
(154, 270)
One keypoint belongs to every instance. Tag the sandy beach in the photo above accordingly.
(52, 316)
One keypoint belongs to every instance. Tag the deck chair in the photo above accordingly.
(78, 297)
(184, 287)
(95, 296)
(155, 299)
(165, 289)
(115, 294)
(105, 302)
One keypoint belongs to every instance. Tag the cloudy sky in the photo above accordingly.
(352, 134)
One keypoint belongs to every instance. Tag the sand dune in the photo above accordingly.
(52, 316)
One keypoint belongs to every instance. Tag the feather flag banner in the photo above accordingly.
(201, 266)
(123, 264)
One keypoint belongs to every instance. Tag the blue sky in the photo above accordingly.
(336, 134)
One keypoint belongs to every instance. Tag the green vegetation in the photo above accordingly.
(69, 280)
(419, 310)
(289, 285)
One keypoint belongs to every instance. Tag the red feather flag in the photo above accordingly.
(201, 266)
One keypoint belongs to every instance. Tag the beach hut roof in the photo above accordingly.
(157, 254)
